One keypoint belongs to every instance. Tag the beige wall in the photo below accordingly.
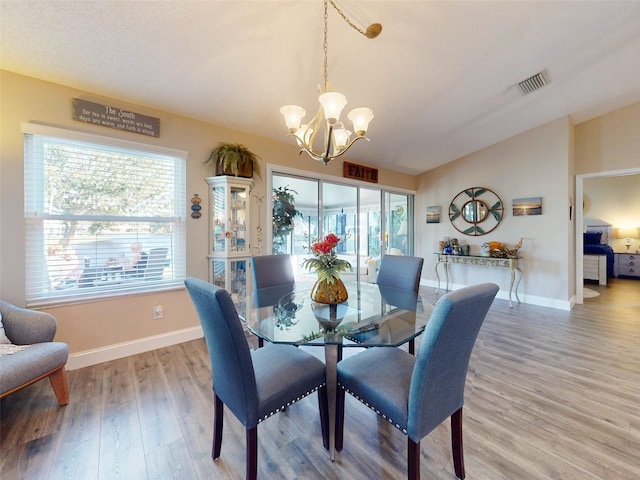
(610, 142)
(571, 188)
(98, 324)
(615, 201)
(540, 162)
(533, 164)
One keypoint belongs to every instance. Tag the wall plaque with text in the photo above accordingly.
(114, 117)
(359, 172)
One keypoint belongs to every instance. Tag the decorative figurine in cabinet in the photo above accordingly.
(229, 249)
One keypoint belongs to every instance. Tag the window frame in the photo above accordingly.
(35, 217)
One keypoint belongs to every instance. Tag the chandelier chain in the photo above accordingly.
(346, 19)
(325, 44)
(337, 138)
(326, 34)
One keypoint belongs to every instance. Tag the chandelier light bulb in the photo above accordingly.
(293, 115)
(303, 134)
(341, 138)
(360, 117)
(332, 104)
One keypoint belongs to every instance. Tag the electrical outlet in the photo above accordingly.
(158, 312)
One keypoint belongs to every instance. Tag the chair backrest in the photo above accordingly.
(440, 371)
(155, 263)
(270, 272)
(399, 297)
(234, 380)
(400, 272)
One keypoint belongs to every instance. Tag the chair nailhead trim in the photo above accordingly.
(403, 430)
(283, 407)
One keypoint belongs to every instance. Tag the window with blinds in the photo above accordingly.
(102, 216)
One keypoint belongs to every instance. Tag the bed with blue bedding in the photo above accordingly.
(595, 242)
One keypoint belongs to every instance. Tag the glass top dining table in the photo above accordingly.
(373, 316)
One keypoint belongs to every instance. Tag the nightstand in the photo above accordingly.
(627, 265)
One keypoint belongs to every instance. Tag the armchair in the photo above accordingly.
(43, 358)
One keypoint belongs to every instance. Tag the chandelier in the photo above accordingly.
(337, 139)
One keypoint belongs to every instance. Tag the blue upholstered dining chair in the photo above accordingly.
(401, 272)
(269, 272)
(417, 393)
(253, 384)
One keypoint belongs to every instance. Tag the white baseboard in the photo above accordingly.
(120, 350)
(504, 295)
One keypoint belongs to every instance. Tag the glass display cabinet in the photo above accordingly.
(229, 200)
(229, 249)
(231, 274)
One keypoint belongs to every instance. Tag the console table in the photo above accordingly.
(510, 263)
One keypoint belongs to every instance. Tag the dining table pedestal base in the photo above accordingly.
(332, 355)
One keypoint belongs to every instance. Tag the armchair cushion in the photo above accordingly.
(21, 367)
(3, 335)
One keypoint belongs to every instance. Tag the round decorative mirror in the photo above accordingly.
(475, 211)
(474, 206)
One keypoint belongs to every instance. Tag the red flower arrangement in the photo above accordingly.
(325, 261)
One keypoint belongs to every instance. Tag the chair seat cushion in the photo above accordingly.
(21, 367)
(284, 372)
(380, 377)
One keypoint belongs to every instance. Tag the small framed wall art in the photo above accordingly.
(527, 206)
(433, 214)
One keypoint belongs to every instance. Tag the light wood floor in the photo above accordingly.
(550, 395)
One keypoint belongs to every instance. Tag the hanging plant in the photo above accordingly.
(234, 159)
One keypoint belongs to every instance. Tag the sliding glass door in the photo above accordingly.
(372, 222)
(295, 213)
(399, 224)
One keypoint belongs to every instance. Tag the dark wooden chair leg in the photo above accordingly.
(413, 460)
(252, 453)
(456, 443)
(412, 346)
(218, 410)
(323, 404)
(339, 419)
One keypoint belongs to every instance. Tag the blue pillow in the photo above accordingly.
(592, 238)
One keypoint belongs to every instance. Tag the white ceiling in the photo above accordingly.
(441, 78)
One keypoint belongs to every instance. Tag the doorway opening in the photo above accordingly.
(590, 213)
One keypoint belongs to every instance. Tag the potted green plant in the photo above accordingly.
(234, 159)
(284, 213)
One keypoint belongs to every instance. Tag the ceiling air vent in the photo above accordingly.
(532, 84)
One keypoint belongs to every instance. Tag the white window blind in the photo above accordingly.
(102, 216)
